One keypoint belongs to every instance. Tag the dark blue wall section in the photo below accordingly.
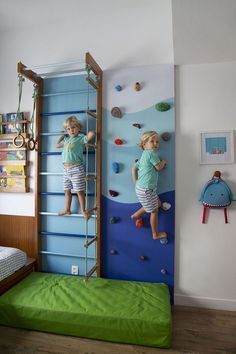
(129, 243)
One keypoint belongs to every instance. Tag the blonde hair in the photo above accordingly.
(146, 136)
(72, 120)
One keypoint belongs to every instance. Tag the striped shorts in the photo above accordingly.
(74, 178)
(148, 198)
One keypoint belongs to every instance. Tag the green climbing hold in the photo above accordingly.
(162, 106)
(113, 220)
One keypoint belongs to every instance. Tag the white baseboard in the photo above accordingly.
(205, 302)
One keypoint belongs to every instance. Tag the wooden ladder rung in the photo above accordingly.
(88, 243)
(92, 82)
(93, 209)
(90, 178)
(92, 270)
(92, 114)
(91, 145)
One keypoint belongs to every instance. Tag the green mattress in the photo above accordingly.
(113, 310)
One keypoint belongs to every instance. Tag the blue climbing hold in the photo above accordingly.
(164, 241)
(115, 167)
(118, 88)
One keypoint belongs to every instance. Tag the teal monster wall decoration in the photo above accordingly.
(216, 194)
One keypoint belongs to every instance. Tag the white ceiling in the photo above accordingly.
(203, 30)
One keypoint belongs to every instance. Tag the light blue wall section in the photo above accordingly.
(56, 230)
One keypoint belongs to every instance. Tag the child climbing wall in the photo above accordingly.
(137, 100)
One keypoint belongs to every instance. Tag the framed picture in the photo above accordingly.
(217, 147)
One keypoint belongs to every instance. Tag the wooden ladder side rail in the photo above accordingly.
(98, 71)
(30, 75)
(94, 66)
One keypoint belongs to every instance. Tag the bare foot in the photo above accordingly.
(159, 235)
(64, 212)
(134, 217)
(86, 215)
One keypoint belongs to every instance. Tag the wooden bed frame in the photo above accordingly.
(13, 279)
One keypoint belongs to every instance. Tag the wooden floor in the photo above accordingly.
(195, 331)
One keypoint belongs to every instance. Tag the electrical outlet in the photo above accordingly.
(74, 270)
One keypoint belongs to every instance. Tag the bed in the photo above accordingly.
(113, 310)
(14, 266)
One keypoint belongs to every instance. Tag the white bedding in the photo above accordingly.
(11, 260)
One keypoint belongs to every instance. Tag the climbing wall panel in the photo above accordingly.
(130, 252)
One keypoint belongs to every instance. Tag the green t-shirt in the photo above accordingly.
(73, 148)
(147, 173)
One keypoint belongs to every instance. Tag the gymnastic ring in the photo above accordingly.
(22, 141)
(31, 144)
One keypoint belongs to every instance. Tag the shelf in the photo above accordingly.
(13, 159)
(14, 163)
(13, 190)
(15, 176)
(20, 122)
(12, 149)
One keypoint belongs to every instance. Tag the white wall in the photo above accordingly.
(205, 260)
(117, 34)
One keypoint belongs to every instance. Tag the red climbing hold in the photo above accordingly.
(118, 141)
(139, 223)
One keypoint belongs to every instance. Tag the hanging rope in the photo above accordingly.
(88, 69)
(32, 143)
(19, 140)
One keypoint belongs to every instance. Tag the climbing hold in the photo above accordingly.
(118, 141)
(143, 258)
(164, 271)
(116, 112)
(164, 241)
(165, 206)
(115, 167)
(137, 86)
(137, 125)
(139, 223)
(118, 88)
(162, 106)
(113, 193)
(113, 220)
(166, 136)
(113, 252)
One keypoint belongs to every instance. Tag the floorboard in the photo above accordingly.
(195, 331)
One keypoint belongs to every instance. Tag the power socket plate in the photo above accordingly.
(74, 270)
